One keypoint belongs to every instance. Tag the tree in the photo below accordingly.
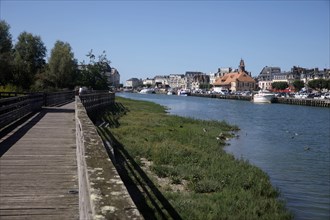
(280, 85)
(29, 59)
(205, 86)
(298, 85)
(5, 54)
(319, 84)
(93, 75)
(62, 66)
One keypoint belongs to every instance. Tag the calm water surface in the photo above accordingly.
(291, 143)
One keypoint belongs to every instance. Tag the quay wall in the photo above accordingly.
(102, 193)
(307, 102)
(280, 100)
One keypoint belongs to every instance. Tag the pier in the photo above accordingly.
(53, 163)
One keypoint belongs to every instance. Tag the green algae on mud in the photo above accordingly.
(185, 160)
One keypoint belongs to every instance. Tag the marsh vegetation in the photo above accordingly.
(179, 167)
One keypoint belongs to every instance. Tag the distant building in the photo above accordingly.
(162, 81)
(113, 77)
(266, 76)
(133, 83)
(200, 80)
(176, 81)
(236, 81)
(189, 77)
(149, 82)
(221, 72)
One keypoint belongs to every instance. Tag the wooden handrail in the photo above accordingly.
(19, 105)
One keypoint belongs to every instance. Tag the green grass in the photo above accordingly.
(217, 186)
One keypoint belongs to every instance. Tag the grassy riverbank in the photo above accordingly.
(184, 159)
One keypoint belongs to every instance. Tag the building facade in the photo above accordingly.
(133, 83)
(266, 76)
(236, 81)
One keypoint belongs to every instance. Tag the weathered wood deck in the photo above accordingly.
(38, 172)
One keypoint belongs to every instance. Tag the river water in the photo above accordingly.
(290, 143)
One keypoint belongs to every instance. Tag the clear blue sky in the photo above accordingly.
(147, 38)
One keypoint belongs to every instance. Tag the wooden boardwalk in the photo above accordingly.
(38, 171)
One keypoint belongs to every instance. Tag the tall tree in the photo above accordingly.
(62, 66)
(280, 85)
(319, 84)
(5, 53)
(29, 59)
(93, 74)
(298, 84)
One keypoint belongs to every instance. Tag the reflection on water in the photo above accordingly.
(291, 143)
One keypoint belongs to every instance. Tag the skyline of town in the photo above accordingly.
(146, 38)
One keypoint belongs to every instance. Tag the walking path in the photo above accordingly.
(38, 172)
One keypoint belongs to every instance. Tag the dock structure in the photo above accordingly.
(53, 163)
(38, 167)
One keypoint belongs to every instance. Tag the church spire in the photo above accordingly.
(242, 65)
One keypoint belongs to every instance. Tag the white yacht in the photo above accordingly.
(183, 92)
(263, 96)
(147, 91)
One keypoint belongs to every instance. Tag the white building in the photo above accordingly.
(133, 83)
(176, 81)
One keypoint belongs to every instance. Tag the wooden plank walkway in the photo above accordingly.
(38, 172)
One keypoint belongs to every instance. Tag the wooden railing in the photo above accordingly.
(58, 98)
(96, 101)
(11, 94)
(12, 109)
(20, 105)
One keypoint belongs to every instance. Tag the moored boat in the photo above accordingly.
(183, 92)
(263, 96)
(147, 91)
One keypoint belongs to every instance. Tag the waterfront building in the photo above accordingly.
(239, 80)
(189, 78)
(315, 73)
(113, 77)
(133, 83)
(200, 80)
(176, 81)
(149, 82)
(221, 72)
(266, 76)
(161, 81)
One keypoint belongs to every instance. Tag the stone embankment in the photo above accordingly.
(102, 193)
(281, 100)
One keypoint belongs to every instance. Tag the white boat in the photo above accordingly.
(183, 92)
(263, 96)
(147, 91)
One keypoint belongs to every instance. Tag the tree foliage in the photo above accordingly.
(5, 53)
(29, 59)
(298, 85)
(205, 86)
(62, 66)
(93, 74)
(280, 85)
(319, 84)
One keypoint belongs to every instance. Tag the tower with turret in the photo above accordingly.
(241, 65)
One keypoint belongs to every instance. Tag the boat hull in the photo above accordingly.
(259, 98)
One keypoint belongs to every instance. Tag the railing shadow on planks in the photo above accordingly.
(16, 106)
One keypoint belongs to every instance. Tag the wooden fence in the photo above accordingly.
(96, 101)
(20, 105)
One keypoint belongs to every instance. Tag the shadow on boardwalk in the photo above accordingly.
(18, 129)
(149, 200)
